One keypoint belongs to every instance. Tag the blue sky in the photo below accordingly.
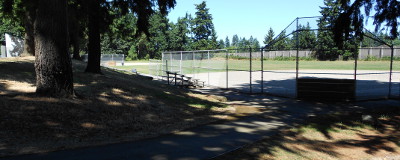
(250, 17)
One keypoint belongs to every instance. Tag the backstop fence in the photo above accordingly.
(259, 71)
(370, 73)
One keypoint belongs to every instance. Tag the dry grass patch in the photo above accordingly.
(110, 108)
(330, 137)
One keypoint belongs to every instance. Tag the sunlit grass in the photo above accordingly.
(220, 65)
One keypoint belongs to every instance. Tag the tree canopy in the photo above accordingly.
(350, 22)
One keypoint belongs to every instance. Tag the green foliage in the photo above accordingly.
(132, 55)
(11, 27)
(269, 37)
(221, 44)
(371, 58)
(227, 42)
(120, 36)
(348, 55)
(281, 42)
(307, 38)
(350, 22)
(203, 29)
(179, 34)
(235, 40)
(284, 58)
(326, 46)
(11, 18)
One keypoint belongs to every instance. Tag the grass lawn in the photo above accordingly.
(340, 136)
(220, 65)
(139, 68)
(109, 108)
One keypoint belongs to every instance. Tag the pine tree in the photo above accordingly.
(221, 44)
(179, 35)
(203, 28)
(307, 37)
(326, 47)
(269, 37)
(227, 43)
(235, 41)
(281, 42)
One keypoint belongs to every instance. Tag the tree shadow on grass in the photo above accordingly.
(21, 71)
(325, 117)
(340, 135)
(110, 108)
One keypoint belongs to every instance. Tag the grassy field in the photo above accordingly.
(109, 108)
(337, 136)
(244, 65)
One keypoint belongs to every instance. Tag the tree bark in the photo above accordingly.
(29, 43)
(94, 54)
(53, 64)
(74, 32)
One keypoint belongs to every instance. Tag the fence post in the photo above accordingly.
(208, 68)
(297, 53)
(355, 75)
(166, 70)
(251, 73)
(391, 70)
(123, 59)
(193, 65)
(262, 70)
(170, 63)
(180, 64)
(227, 69)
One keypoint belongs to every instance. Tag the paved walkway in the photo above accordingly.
(208, 141)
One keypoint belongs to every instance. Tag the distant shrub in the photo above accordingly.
(387, 58)
(371, 58)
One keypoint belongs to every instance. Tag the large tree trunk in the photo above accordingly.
(53, 64)
(93, 65)
(29, 43)
(74, 30)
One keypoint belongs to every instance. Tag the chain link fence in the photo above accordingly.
(257, 71)
(293, 71)
(109, 59)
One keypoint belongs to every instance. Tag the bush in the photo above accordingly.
(371, 58)
(132, 55)
(387, 58)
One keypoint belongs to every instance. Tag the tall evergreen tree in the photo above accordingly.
(326, 46)
(282, 42)
(227, 42)
(159, 35)
(235, 41)
(179, 35)
(269, 37)
(203, 28)
(255, 43)
(221, 44)
(307, 37)
(52, 65)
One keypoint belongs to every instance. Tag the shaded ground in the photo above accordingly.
(110, 108)
(334, 136)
